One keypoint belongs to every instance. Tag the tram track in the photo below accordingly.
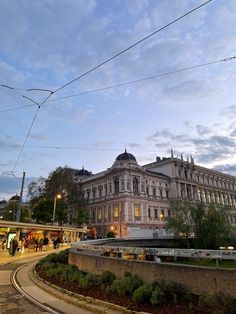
(20, 294)
(13, 298)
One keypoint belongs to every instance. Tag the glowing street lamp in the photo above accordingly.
(54, 207)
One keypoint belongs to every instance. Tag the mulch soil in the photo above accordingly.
(98, 293)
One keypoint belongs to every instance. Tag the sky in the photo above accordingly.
(46, 44)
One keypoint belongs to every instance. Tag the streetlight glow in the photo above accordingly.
(54, 207)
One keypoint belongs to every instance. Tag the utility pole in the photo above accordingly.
(20, 200)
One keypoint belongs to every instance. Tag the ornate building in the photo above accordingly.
(133, 200)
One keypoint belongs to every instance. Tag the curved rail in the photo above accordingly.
(26, 295)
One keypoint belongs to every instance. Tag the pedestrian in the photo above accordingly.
(41, 244)
(55, 243)
(36, 244)
(13, 246)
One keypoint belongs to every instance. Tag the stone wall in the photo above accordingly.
(198, 279)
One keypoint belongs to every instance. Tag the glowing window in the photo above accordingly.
(116, 212)
(137, 211)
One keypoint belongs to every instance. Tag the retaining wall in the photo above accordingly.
(198, 279)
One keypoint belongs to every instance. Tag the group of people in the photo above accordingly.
(35, 243)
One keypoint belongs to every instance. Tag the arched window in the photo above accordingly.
(135, 186)
(116, 182)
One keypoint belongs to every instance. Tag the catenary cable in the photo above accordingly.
(98, 66)
(131, 46)
(143, 79)
(126, 83)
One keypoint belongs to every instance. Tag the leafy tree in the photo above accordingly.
(70, 208)
(215, 228)
(43, 211)
(181, 220)
(36, 188)
(208, 222)
(10, 211)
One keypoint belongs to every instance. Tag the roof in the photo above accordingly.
(125, 156)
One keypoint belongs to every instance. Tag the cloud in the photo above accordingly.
(10, 186)
(202, 130)
(229, 111)
(226, 168)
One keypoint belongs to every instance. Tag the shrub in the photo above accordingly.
(217, 302)
(111, 234)
(113, 287)
(157, 297)
(107, 277)
(173, 291)
(127, 274)
(126, 285)
(83, 281)
(142, 294)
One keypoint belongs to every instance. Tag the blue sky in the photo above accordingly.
(47, 43)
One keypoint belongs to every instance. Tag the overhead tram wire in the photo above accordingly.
(143, 79)
(80, 148)
(98, 66)
(30, 128)
(131, 46)
(227, 59)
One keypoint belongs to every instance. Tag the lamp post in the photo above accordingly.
(54, 207)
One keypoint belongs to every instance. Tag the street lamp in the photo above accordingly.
(54, 207)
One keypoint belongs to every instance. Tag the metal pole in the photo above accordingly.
(54, 209)
(120, 220)
(18, 213)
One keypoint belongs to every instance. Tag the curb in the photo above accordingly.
(87, 303)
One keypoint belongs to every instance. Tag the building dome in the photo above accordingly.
(83, 172)
(15, 198)
(125, 156)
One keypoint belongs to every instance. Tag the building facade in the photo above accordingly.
(133, 201)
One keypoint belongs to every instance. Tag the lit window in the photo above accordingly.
(116, 212)
(99, 214)
(162, 214)
(137, 211)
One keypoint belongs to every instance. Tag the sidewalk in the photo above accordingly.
(6, 258)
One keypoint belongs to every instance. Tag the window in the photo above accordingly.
(100, 192)
(135, 186)
(162, 214)
(137, 211)
(155, 213)
(167, 194)
(105, 189)
(116, 182)
(93, 214)
(116, 212)
(154, 192)
(99, 214)
(88, 195)
(149, 212)
(161, 194)
(94, 194)
(147, 191)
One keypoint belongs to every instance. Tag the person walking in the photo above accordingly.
(13, 246)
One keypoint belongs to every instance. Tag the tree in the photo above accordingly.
(70, 208)
(215, 228)
(43, 211)
(207, 222)
(10, 211)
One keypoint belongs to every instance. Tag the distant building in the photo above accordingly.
(133, 200)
